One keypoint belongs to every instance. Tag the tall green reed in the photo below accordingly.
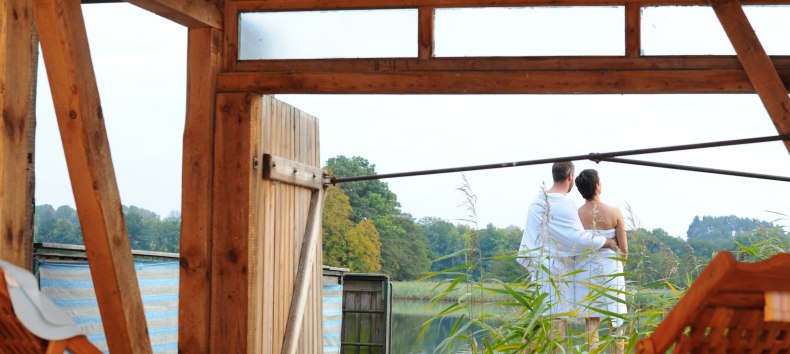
(527, 326)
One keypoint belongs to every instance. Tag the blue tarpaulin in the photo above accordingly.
(69, 285)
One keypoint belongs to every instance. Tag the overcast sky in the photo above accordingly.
(140, 63)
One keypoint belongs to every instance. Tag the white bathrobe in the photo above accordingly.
(555, 235)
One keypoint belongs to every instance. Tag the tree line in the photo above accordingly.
(364, 229)
(147, 230)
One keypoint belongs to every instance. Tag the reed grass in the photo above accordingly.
(529, 326)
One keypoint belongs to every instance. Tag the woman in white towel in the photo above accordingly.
(603, 268)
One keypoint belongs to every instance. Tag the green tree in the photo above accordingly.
(723, 227)
(655, 258)
(147, 231)
(56, 225)
(404, 252)
(443, 238)
(336, 223)
(364, 247)
(356, 246)
(369, 199)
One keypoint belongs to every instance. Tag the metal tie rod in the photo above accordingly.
(597, 157)
(697, 169)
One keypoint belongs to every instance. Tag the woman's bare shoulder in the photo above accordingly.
(608, 207)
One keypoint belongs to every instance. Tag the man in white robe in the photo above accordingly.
(554, 236)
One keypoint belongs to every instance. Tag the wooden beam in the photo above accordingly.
(756, 63)
(236, 185)
(312, 5)
(203, 63)
(189, 13)
(304, 272)
(493, 82)
(64, 44)
(292, 172)
(633, 30)
(566, 63)
(18, 68)
(231, 29)
(425, 31)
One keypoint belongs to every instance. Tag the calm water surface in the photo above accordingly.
(408, 317)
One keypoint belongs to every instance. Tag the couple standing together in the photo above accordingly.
(577, 247)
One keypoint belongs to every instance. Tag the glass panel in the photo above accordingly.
(695, 30)
(529, 31)
(328, 34)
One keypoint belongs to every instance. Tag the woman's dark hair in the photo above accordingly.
(586, 182)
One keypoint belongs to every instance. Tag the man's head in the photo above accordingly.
(562, 172)
(588, 183)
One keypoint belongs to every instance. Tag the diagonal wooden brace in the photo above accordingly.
(64, 43)
(312, 235)
(758, 66)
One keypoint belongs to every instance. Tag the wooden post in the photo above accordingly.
(426, 15)
(64, 44)
(633, 30)
(18, 66)
(758, 66)
(236, 182)
(203, 63)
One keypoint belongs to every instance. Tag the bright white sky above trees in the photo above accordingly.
(140, 62)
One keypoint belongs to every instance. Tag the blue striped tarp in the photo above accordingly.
(333, 317)
(69, 285)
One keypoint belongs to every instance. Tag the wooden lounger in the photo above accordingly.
(726, 311)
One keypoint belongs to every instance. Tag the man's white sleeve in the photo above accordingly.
(569, 233)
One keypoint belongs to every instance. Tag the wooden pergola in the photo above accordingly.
(220, 213)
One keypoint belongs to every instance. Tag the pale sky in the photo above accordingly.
(140, 63)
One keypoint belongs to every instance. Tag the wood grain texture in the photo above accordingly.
(724, 310)
(305, 272)
(189, 13)
(495, 82)
(231, 31)
(633, 30)
(235, 189)
(425, 33)
(526, 64)
(678, 318)
(291, 134)
(261, 5)
(18, 68)
(204, 60)
(758, 66)
(291, 172)
(64, 44)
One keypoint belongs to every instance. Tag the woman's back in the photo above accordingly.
(597, 215)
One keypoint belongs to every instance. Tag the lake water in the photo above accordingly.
(408, 317)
